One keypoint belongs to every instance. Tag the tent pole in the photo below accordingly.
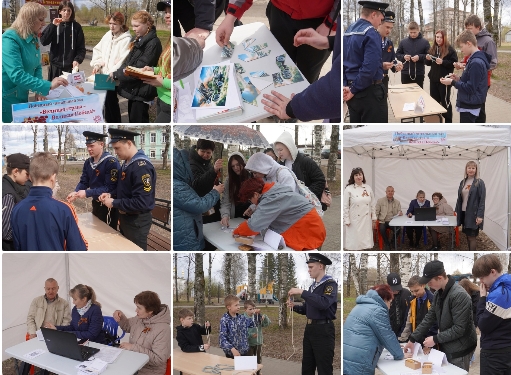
(508, 195)
(68, 279)
(373, 172)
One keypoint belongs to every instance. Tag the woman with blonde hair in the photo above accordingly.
(21, 60)
(86, 316)
(108, 55)
(470, 204)
(145, 50)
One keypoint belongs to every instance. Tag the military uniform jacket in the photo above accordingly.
(136, 184)
(101, 177)
(362, 57)
(388, 53)
(320, 300)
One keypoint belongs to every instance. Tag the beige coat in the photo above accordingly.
(37, 312)
(358, 213)
(155, 341)
(383, 207)
(443, 209)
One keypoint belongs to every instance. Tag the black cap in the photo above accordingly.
(20, 161)
(431, 269)
(319, 258)
(162, 5)
(91, 137)
(118, 134)
(394, 281)
(374, 5)
(389, 16)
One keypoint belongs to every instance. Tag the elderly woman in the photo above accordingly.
(282, 210)
(86, 316)
(149, 331)
(359, 212)
(471, 203)
(367, 331)
(21, 60)
(230, 205)
(442, 209)
(304, 168)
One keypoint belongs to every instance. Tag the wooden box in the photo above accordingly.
(427, 368)
(412, 363)
(245, 240)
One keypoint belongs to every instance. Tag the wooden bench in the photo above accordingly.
(161, 218)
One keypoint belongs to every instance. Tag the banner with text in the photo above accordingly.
(407, 138)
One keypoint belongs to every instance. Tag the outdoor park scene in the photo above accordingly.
(203, 281)
(404, 278)
(412, 186)
(212, 163)
(449, 16)
(67, 145)
(91, 28)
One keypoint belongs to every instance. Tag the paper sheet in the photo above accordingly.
(108, 354)
(261, 84)
(245, 363)
(34, 353)
(39, 334)
(437, 357)
(409, 107)
(274, 239)
(184, 110)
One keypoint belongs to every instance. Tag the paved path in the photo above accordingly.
(332, 220)
(271, 366)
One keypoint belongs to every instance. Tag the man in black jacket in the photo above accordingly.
(412, 52)
(399, 307)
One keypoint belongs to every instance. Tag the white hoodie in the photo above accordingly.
(287, 140)
(274, 172)
(111, 52)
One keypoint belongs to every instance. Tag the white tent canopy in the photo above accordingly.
(115, 278)
(409, 166)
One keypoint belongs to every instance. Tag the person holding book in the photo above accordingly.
(107, 57)
(145, 50)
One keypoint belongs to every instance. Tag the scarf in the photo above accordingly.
(84, 309)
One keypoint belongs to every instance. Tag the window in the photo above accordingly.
(153, 137)
(152, 154)
(164, 137)
(142, 138)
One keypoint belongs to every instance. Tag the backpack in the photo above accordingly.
(304, 191)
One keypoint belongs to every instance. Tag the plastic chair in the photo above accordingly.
(168, 367)
(27, 337)
(387, 233)
(110, 326)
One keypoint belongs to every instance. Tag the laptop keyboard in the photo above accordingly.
(85, 352)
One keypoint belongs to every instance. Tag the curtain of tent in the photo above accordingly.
(116, 279)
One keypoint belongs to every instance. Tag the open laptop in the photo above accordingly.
(425, 214)
(65, 344)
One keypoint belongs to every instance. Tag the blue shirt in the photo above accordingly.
(136, 184)
(101, 177)
(320, 300)
(41, 223)
(362, 56)
(234, 332)
(88, 326)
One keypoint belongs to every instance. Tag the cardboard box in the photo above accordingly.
(427, 368)
(412, 363)
(244, 240)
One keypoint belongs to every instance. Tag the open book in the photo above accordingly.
(138, 73)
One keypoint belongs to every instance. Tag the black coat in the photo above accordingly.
(439, 71)
(145, 52)
(475, 204)
(189, 339)
(413, 46)
(70, 46)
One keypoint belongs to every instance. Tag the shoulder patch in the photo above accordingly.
(112, 160)
(146, 180)
(113, 175)
(141, 163)
(328, 290)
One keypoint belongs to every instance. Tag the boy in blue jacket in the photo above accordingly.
(473, 84)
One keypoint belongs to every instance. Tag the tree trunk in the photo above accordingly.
(472, 6)
(378, 268)
(45, 139)
(283, 264)
(412, 11)
(251, 292)
(167, 146)
(354, 273)
(496, 29)
(421, 14)
(188, 278)
(210, 265)
(363, 273)
(332, 159)
(406, 268)
(34, 130)
(487, 16)
(296, 134)
(394, 262)
(348, 279)
(65, 143)
(177, 142)
(199, 308)
(175, 278)
(227, 274)
(316, 154)
(509, 264)
(187, 143)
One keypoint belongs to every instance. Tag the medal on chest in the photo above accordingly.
(365, 193)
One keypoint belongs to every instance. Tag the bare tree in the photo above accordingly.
(60, 130)
(177, 141)
(421, 14)
(66, 135)
(316, 153)
(227, 272)
(363, 273)
(332, 158)
(167, 146)
(186, 143)
(296, 134)
(283, 264)
(34, 130)
(412, 10)
(199, 309)
(188, 285)
(509, 265)
(354, 273)
(175, 278)
(394, 262)
(45, 139)
(406, 268)
(251, 292)
(210, 265)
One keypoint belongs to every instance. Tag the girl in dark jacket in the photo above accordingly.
(471, 203)
(145, 50)
(445, 57)
(419, 202)
(67, 49)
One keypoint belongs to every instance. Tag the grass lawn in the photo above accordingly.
(348, 305)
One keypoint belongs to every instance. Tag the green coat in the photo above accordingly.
(21, 71)
(258, 340)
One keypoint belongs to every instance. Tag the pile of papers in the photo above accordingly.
(95, 367)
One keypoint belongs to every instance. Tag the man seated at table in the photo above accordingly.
(386, 208)
(46, 308)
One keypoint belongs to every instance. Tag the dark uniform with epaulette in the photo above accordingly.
(363, 70)
(320, 307)
(387, 49)
(135, 198)
(98, 178)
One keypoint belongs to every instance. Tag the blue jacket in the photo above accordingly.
(414, 204)
(21, 71)
(187, 205)
(234, 332)
(99, 178)
(89, 326)
(362, 62)
(493, 317)
(322, 99)
(473, 84)
(41, 223)
(366, 332)
(136, 185)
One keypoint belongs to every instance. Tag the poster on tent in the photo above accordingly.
(87, 108)
(430, 138)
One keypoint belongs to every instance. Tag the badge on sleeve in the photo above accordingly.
(146, 179)
(328, 290)
(113, 175)
(141, 163)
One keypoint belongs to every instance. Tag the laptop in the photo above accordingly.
(65, 344)
(425, 214)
